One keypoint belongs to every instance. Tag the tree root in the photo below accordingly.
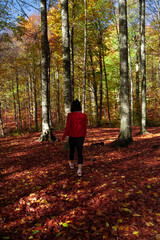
(121, 142)
(47, 136)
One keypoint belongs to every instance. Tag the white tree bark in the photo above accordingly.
(125, 125)
(143, 67)
(66, 56)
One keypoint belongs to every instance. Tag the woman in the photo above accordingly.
(76, 130)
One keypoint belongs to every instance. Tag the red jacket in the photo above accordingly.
(76, 125)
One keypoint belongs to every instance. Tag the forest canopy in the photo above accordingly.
(20, 61)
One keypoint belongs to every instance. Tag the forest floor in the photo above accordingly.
(118, 196)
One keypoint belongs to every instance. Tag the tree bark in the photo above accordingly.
(14, 103)
(94, 84)
(66, 56)
(107, 90)
(85, 57)
(18, 101)
(137, 82)
(29, 100)
(158, 7)
(58, 94)
(72, 51)
(46, 129)
(1, 122)
(131, 86)
(137, 71)
(143, 67)
(125, 136)
(101, 79)
(35, 98)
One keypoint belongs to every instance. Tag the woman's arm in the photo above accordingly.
(67, 128)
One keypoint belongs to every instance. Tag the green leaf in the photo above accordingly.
(58, 234)
(7, 237)
(127, 210)
(35, 232)
(65, 225)
(119, 190)
(136, 215)
(136, 233)
(115, 228)
(107, 224)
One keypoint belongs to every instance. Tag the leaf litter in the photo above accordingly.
(116, 198)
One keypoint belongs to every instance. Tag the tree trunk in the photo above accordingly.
(18, 101)
(143, 67)
(137, 83)
(1, 122)
(131, 85)
(101, 78)
(94, 84)
(107, 90)
(72, 51)
(158, 7)
(66, 56)
(14, 103)
(29, 100)
(58, 94)
(125, 136)
(35, 98)
(85, 57)
(46, 130)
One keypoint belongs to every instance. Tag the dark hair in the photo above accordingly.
(76, 106)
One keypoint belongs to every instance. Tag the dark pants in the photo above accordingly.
(76, 142)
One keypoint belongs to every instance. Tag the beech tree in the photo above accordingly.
(46, 126)
(66, 55)
(1, 122)
(72, 49)
(143, 67)
(125, 136)
(85, 57)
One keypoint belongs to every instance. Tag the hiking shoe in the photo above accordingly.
(79, 173)
(71, 165)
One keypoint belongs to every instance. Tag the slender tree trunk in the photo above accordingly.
(137, 82)
(49, 100)
(90, 103)
(125, 136)
(137, 72)
(101, 78)
(85, 57)
(1, 122)
(66, 56)
(29, 101)
(94, 83)
(46, 129)
(18, 101)
(6, 120)
(158, 7)
(107, 90)
(143, 67)
(72, 51)
(58, 94)
(14, 104)
(131, 85)
(35, 98)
